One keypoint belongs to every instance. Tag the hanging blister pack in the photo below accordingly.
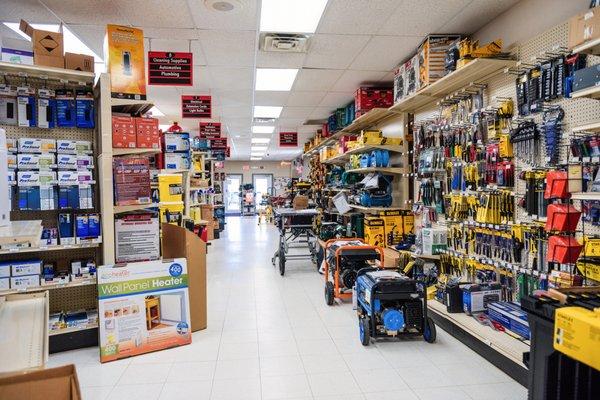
(552, 130)
(46, 108)
(84, 105)
(65, 108)
(8, 105)
(26, 113)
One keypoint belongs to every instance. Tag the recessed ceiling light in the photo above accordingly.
(291, 16)
(276, 79)
(262, 129)
(257, 154)
(267, 111)
(258, 140)
(255, 158)
(238, 136)
(258, 148)
(72, 44)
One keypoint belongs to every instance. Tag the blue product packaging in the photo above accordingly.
(510, 316)
(82, 226)
(65, 228)
(26, 107)
(94, 225)
(84, 104)
(65, 108)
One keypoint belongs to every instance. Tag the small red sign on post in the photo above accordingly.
(196, 106)
(288, 139)
(170, 69)
(218, 143)
(210, 130)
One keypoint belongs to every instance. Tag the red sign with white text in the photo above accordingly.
(218, 143)
(288, 139)
(210, 130)
(170, 69)
(196, 106)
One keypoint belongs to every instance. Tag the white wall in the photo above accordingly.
(529, 18)
(256, 167)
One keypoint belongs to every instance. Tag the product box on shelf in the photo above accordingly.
(66, 111)
(26, 267)
(84, 109)
(477, 297)
(510, 316)
(5, 283)
(412, 83)
(170, 187)
(23, 282)
(26, 107)
(46, 108)
(123, 132)
(408, 222)
(8, 105)
(143, 307)
(171, 213)
(35, 145)
(177, 142)
(432, 57)
(584, 27)
(399, 86)
(16, 51)
(131, 180)
(124, 57)
(48, 46)
(374, 231)
(5, 269)
(392, 220)
(79, 62)
(434, 240)
(147, 133)
(367, 98)
(177, 161)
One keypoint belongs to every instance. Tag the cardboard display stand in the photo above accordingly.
(143, 307)
(179, 242)
(54, 383)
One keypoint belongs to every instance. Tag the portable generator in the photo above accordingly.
(390, 304)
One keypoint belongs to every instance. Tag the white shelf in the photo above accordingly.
(502, 342)
(71, 330)
(591, 93)
(43, 72)
(85, 282)
(374, 209)
(589, 47)
(133, 207)
(585, 196)
(135, 151)
(48, 248)
(592, 128)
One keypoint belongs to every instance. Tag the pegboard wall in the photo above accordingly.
(73, 298)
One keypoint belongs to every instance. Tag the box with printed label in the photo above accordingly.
(4, 270)
(123, 132)
(177, 141)
(66, 161)
(434, 240)
(4, 283)
(34, 145)
(131, 180)
(24, 282)
(476, 297)
(8, 107)
(392, 220)
(510, 316)
(85, 162)
(48, 47)
(79, 62)
(408, 223)
(26, 267)
(147, 133)
(124, 58)
(374, 231)
(177, 161)
(17, 51)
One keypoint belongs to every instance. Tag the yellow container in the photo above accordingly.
(392, 221)
(375, 231)
(576, 334)
(170, 187)
(388, 141)
(174, 215)
(408, 223)
(371, 137)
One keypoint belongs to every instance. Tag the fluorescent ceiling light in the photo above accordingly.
(258, 148)
(262, 129)
(276, 79)
(267, 111)
(258, 153)
(72, 43)
(255, 158)
(291, 16)
(156, 112)
(258, 140)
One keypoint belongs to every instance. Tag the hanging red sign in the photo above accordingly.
(288, 139)
(228, 152)
(210, 130)
(218, 143)
(196, 106)
(170, 69)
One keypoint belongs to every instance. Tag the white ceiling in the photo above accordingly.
(357, 42)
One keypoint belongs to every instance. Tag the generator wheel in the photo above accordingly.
(329, 293)
(364, 331)
(429, 331)
(281, 264)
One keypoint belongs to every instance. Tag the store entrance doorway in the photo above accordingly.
(231, 193)
(263, 184)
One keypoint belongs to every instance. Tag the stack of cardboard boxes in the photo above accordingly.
(135, 132)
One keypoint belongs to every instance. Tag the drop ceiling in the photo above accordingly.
(356, 42)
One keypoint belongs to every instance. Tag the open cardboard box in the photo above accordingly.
(55, 383)
(48, 47)
(178, 242)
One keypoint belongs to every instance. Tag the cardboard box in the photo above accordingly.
(374, 231)
(576, 334)
(21, 268)
(79, 62)
(58, 383)
(179, 242)
(48, 46)
(123, 132)
(124, 58)
(584, 27)
(300, 202)
(207, 212)
(17, 51)
(24, 282)
(392, 220)
(147, 133)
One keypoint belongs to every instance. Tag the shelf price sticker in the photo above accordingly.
(196, 106)
(170, 69)
(288, 139)
(210, 130)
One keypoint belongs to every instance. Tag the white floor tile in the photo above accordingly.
(423, 378)
(496, 391)
(191, 371)
(100, 375)
(277, 366)
(185, 390)
(230, 389)
(236, 351)
(379, 380)
(316, 347)
(96, 392)
(240, 336)
(394, 395)
(277, 348)
(136, 392)
(237, 369)
(315, 364)
(285, 387)
(333, 384)
(446, 393)
(366, 361)
(144, 373)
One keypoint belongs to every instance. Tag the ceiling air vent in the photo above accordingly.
(284, 42)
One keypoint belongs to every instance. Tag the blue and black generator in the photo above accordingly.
(390, 304)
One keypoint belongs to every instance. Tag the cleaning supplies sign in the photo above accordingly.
(210, 130)
(288, 139)
(143, 307)
(168, 68)
(196, 106)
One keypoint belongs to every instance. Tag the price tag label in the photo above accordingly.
(586, 159)
(596, 159)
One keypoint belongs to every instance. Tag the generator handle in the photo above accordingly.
(330, 241)
(340, 250)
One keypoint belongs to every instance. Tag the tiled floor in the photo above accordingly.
(272, 338)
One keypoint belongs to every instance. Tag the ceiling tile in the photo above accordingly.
(296, 112)
(421, 17)
(233, 97)
(384, 53)
(273, 59)
(169, 45)
(170, 33)
(472, 19)
(334, 51)
(202, 78)
(236, 111)
(228, 48)
(86, 12)
(316, 79)
(231, 77)
(351, 80)
(199, 57)
(289, 123)
(336, 99)
(356, 17)
(91, 35)
(29, 10)
(242, 18)
(298, 98)
(269, 98)
(321, 112)
(156, 13)
(157, 93)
